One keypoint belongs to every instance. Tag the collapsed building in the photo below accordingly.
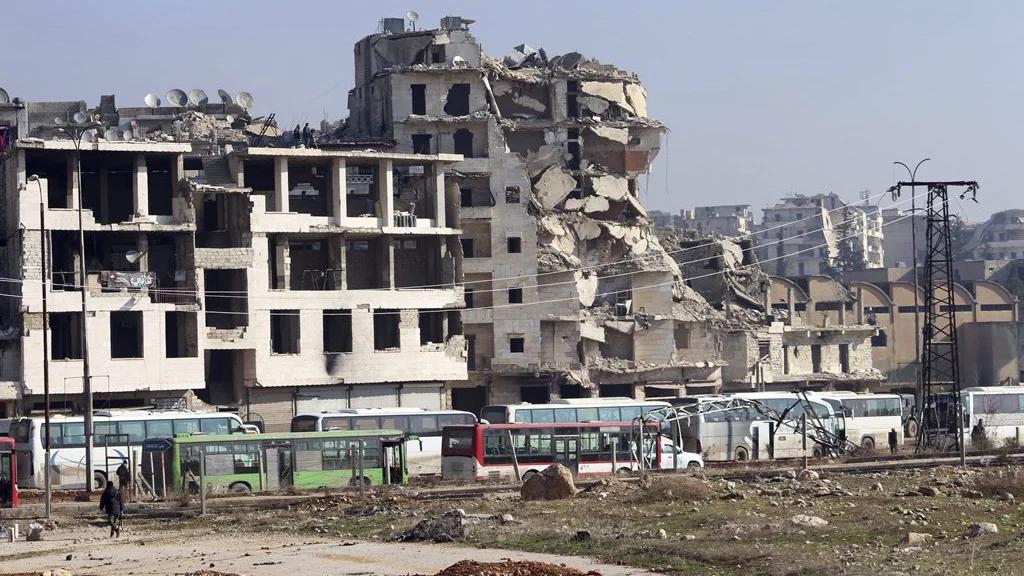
(223, 265)
(568, 291)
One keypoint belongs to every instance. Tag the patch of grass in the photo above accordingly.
(674, 487)
(993, 482)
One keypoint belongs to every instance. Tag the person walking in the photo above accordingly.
(305, 135)
(112, 503)
(893, 441)
(124, 478)
(296, 134)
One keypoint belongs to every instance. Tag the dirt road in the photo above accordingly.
(165, 553)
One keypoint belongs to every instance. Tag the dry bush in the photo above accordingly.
(994, 482)
(674, 487)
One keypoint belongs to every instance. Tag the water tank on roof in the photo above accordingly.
(451, 23)
(392, 25)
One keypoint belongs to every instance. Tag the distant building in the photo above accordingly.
(900, 230)
(1001, 238)
(732, 220)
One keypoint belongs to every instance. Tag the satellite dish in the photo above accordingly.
(132, 256)
(244, 99)
(128, 135)
(412, 17)
(112, 134)
(176, 98)
(229, 119)
(197, 97)
(89, 136)
(225, 98)
(58, 121)
(152, 100)
(79, 118)
(5, 98)
(459, 62)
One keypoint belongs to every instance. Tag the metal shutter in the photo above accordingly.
(429, 396)
(374, 396)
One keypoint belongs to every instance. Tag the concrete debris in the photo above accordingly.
(194, 125)
(587, 229)
(35, 532)
(982, 528)
(620, 135)
(553, 187)
(573, 204)
(610, 91)
(808, 521)
(611, 187)
(586, 287)
(917, 539)
(637, 96)
(591, 331)
(596, 204)
(510, 568)
(448, 527)
(595, 105)
(553, 483)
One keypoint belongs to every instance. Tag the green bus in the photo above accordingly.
(245, 463)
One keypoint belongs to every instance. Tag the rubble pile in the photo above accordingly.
(510, 568)
(194, 125)
(447, 527)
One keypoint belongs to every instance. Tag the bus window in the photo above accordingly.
(459, 439)
(74, 434)
(453, 419)
(56, 435)
(305, 423)
(365, 423)
(494, 414)
(215, 425)
(563, 415)
(186, 426)
(423, 425)
(246, 458)
(335, 455)
(610, 414)
(20, 431)
(333, 424)
(543, 415)
(629, 413)
(590, 445)
(159, 429)
(101, 430)
(522, 416)
(496, 449)
(136, 431)
(394, 423)
(587, 414)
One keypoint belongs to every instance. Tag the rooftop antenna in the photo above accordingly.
(5, 98)
(152, 101)
(244, 99)
(412, 17)
(197, 98)
(176, 98)
(225, 98)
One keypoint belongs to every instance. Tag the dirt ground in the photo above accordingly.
(772, 523)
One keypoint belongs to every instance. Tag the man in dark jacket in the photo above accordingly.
(124, 479)
(113, 504)
(894, 439)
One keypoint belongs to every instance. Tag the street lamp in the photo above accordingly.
(46, 347)
(76, 131)
(917, 305)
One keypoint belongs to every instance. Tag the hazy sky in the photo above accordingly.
(761, 98)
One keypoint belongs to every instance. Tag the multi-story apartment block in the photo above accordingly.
(737, 220)
(221, 266)
(568, 292)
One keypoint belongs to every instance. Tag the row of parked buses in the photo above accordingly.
(386, 445)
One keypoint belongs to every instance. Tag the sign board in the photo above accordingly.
(156, 445)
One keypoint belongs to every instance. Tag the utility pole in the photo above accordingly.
(941, 372)
(917, 303)
(47, 495)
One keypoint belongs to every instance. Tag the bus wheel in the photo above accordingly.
(911, 428)
(868, 443)
(240, 488)
(693, 464)
(817, 452)
(742, 455)
(99, 480)
(623, 471)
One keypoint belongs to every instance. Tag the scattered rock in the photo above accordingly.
(971, 494)
(788, 475)
(877, 486)
(917, 539)
(689, 537)
(662, 535)
(581, 536)
(806, 475)
(982, 528)
(510, 568)
(35, 532)
(1004, 497)
(553, 483)
(449, 527)
(809, 521)
(928, 491)
(735, 496)
(507, 519)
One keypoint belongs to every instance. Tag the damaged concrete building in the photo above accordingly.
(222, 269)
(568, 291)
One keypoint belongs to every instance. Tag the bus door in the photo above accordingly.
(8, 476)
(567, 452)
(393, 469)
(280, 472)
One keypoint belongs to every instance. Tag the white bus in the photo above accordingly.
(568, 410)
(1001, 410)
(112, 432)
(747, 434)
(422, 452)
(868, 417)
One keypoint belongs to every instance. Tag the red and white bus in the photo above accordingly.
(8, 474)
(484, 451)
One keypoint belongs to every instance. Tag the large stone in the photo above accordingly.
(982, 528)
(35, 532)
(553, 483)
(928, 491)
(809, 521)
(807, 474)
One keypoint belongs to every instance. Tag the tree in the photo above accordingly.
(849, 247)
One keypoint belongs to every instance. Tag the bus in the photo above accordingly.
(249, 463)
(112, 434)
(8, 473)
(484, 451)
(747, 434)
(568, 410)
(421, 426)
(1000, 409)
(868, 417)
